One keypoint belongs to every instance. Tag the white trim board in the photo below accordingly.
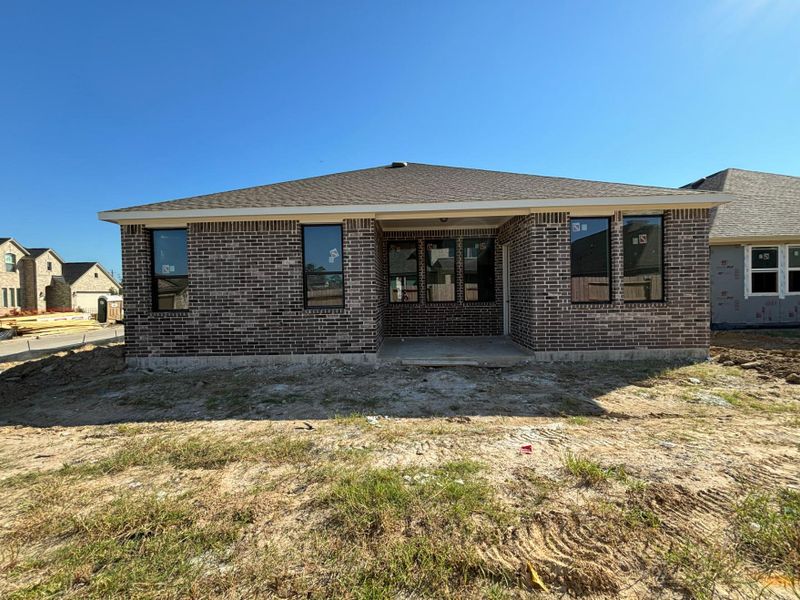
(782, 271)
(398, 210)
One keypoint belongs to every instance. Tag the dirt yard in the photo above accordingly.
(613, 480)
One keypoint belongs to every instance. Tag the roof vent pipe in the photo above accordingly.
(398, 165)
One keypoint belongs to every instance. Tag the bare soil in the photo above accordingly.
(679, 446)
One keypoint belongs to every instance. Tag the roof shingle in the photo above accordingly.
(764, 204)
(411, 184)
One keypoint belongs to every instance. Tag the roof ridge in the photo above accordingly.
(770, 173)
(551, 177)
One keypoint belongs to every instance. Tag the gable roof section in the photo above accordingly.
(763, 205)
(73, 271)
(37, 252)
(3, 240)
(381, 188)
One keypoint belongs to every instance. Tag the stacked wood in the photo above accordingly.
(50, 323)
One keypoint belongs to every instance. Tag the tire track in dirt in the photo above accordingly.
(773, 471)
(585, 554)
(580, 555)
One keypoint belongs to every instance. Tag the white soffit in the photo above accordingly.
(388, 210)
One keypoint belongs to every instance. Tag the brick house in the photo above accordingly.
(11, 252)
(37, 279)
(332, 265)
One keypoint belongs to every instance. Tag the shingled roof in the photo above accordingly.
(411, 183)
(763, 205)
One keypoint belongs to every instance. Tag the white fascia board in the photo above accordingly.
(706, 200)
(755, 240)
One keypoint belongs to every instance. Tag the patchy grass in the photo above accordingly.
(591, 472)
(411, 531)
(532, 489)
(138, 542)
(708, 572)
(197, 452)
(767, 529)
(579, 420)
(193, 452)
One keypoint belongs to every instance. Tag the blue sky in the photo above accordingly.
(108, 104)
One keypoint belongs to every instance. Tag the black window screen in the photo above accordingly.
(170, 270)
(323, 272)
(403, 272)
(589, 259)
(642, 239)
(479, 270)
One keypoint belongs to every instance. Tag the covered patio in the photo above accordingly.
(447, 351)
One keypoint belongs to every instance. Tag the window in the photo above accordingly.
(13, 299)
(323, 274)
(170, 270)
(19, 297)
(5, 297)
(403, 272)
(764, 270)
(793, 267)
(643, 258)
(10, 262)
(590, 260)
(440, 264)
(479, 270)
(49, 265)
(96, 275)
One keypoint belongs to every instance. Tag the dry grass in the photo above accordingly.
(633, 487)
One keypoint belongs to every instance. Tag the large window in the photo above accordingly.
(764, 270)
(440, 265)
(590, 261)
(479, 270)
(323, 273)
(170, 270)
(403, 272)
(793, 266)
(5, 297)
(642, 239)
(10, 261)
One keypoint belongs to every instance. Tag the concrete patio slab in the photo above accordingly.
(478, 351)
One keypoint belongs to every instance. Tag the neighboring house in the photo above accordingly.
(38, 271)
(37, 279)
(11, 252)
(755, 249)
(88, 282)
(334, 264)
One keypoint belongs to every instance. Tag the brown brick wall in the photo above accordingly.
(246, 294)
(545, 319)
(421, 318)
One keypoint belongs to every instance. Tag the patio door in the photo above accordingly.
(506, 291)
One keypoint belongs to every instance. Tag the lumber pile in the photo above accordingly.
(50, 323)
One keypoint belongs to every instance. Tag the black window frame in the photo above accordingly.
(663, 298)
(790, 269)
(415, 241)
(767, 270)
(328, 307)
(610, 222)
(455, 270)
(464, 241)
(154, 278)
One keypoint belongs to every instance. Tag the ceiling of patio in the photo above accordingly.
(481, 222)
